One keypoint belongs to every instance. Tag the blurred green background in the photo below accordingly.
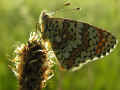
(18, 19)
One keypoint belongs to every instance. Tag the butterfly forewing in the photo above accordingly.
(74, 42)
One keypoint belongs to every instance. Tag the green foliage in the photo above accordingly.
(18, 19)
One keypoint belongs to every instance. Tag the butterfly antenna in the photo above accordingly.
(66, 4)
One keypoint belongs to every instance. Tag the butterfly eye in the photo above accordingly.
(45, 16)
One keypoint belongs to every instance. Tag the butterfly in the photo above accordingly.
(75, 43)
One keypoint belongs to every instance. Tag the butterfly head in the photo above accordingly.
(43, 17)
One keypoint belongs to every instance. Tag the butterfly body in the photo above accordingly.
(73, 42)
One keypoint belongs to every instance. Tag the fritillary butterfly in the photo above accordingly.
(75, 43)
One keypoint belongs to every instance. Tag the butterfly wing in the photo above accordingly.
(76, 43)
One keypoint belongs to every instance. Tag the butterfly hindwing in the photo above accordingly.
(74, 42)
